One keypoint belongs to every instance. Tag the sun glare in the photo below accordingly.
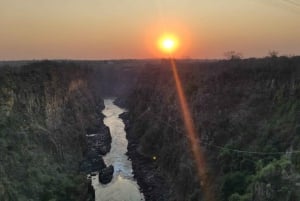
(168, 43)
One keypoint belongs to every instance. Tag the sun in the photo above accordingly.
(168, 43)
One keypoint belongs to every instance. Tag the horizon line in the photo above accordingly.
(136, 59)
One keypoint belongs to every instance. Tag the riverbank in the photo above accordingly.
(98, 143)
(145, 170)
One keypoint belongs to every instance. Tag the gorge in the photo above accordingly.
(246, 114)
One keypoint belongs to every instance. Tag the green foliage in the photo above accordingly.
(272, 171)
(249, 105)
(235, 197)
(238, 197)
(296, 161)
(234, 183)
(269, 171)
(39, 153)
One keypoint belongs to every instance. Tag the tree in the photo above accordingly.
(273, 54)
(232, 55)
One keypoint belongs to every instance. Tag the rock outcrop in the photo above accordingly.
(106, 174)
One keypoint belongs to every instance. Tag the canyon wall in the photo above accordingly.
(246, 113)
(45, 110)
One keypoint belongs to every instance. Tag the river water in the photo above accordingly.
(123, 187)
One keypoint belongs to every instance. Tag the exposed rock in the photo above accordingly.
(125, 117)
(106, 174)
(91, 192)
(98, 144)
(145, 171)
(121, 102)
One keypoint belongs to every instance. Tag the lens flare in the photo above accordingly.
(192, 136)
(168, 44)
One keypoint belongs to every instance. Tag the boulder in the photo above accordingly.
(106, 174)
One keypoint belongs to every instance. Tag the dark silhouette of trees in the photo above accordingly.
(273, 54)
(233, 55)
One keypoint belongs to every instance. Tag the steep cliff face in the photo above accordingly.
(246, 114)
(247, 117)
(45, 110)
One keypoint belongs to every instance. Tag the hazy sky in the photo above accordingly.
(98, 29)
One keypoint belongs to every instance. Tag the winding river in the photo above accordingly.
(123, 187)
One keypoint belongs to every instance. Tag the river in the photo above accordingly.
(123, 187)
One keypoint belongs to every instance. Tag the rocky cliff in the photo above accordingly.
(247, 118)
(246, 114)
(45, 110)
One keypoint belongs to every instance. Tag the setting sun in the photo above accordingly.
(168, 43)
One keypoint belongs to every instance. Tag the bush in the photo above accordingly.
(235, 197)
(235, 182)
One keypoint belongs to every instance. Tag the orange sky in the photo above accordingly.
(118, 29)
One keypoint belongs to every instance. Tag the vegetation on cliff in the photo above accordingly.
(246, 114)
(45, 109)
(247, 117)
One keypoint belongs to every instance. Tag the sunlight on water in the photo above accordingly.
(120, 189)
(123, 187)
